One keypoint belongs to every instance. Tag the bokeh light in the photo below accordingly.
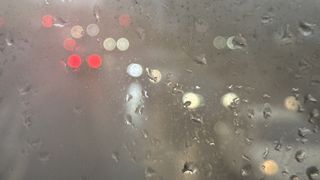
(94, 61)
(47, 21)
(74, 61)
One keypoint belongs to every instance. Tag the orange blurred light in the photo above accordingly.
(47, 21)
(94, 61)
(74, 61)
(69, 44)
(124, 20)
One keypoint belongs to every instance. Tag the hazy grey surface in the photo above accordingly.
(78, 129)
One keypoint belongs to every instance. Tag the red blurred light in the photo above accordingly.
(47, 21)
(94, 61)
(74, 61)
(124, 20)
(69, 44)
(1, 22)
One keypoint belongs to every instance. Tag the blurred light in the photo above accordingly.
(122, 44)
(154, 75)
(269, 167)
(192, 100)
(135, 70)
(228, 99)
(77, 32)
(109, 44)
(74, 61)
(93, 30)
(69, 44)
(219, 42)
(291, 103)
(94, 61)
(124, 20)
(47, 21)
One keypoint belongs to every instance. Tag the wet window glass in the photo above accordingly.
(159, 89)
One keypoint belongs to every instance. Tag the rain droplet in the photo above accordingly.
(201, 59)
(145, 133)
(196, 118)
(303, 132)
(96, 13)
(201, 26)
(286, 36)
(267, 111)
(278, 146)
(300, 156)
(26, 119)
(189, 168)
(9, 40)
(139, 109)
(315, 80)
(44, 156)
(115, 156)
(310, 98)
(25, 90)
(154, 75)
(59, 22)
(294, 177)
(313, 173)
(315, 113)
(151, 174)
(35, 144)
(250, 113)
(145, 93)
(266, 153)
(128, 97)
(245, 157)
(128, 119)
(141, 33)
(306, 29)
(236, 42)
(246, 170)
(266, 18)
(285, 172)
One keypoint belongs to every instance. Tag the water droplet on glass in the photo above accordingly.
(96, 13)
(196, 118)
(286, 36)
(189, 168)
(201, 25)
(201, 59)
(151, 174)
(303, 132)
(266, 18)
(245, 157)
(313, 173)
(310, 98)
(26, 119)
(115, 156)
(250, 113)
(128, 97)
(59, 22)
(246, 170)
(9, 40)
(145, 93)
(315, 80)
(44, 156)
(300, 156)
(35, 144)
(294, 177)
(139, 109)
(25, 90)
(145, 133)
(315, 113)
(306, 29)
(128, 119)
(265, 153)
(278, 146)
(236, 42)
(141, 33)
(267, 111)
(285, 173)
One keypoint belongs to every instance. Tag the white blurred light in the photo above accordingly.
(109, 44)
(123, 44)
(93, 30)
(135, 70)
